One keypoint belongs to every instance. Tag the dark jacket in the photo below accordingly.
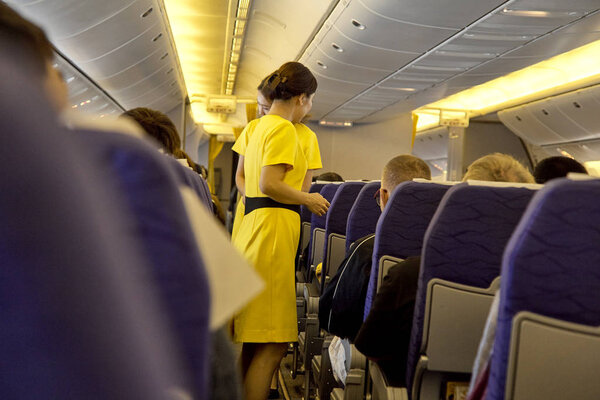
(384, 337)
(342, 304)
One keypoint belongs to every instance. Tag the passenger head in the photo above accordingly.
(329, 177)
(498, 167)
(28, 46)
(292, 82)
(158, 126)
(401, 169)
(556, 167)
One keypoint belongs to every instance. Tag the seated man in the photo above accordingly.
(385, 335)
(556, 167)
(343, 301)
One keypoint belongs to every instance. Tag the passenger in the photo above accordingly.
(33, 53)
(498, 167)
(384, 337)
(342, 314)
(556, 167)
(159, 127)
(274, 170)
(329, 177)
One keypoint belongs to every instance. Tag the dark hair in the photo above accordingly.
(291, 79)
(30, 40)
(159, 126)
(556, 167)
(329, 177)
(262, 86)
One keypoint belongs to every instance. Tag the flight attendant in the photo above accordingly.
(274, 168)
(306, 138)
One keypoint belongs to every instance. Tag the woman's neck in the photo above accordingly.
(284, 109)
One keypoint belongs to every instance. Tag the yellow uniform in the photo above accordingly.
(268, 237)
(308, 142)
(310, 146)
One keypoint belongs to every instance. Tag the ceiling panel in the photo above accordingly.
(439, 13)
(123, 45)
(275, 34)
(381, 31)
(363, 55)
(65, 18)
(554, 44)
(337, 70)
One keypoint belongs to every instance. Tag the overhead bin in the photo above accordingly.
(565, 118)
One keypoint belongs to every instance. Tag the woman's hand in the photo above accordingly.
(317, 204)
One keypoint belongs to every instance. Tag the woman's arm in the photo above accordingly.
(307, 180)
(271, 183)
(240, 177)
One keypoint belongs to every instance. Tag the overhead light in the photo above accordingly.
(345, 124)
(465, 54)
(438, 68)
(427, 119)
(564, 153)
(568, 71)
(498, 37)
(541, 13)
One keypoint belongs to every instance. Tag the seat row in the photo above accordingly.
(468, 236)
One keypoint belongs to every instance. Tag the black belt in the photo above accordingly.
(254, 203)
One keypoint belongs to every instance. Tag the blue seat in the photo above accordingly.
(551, 269)
(335, 226)
(464, 245)
(150, 186)
(402, 225)
(363, 215)
(75, 303)
(191, 179)
(318, 222)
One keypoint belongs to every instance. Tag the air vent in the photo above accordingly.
(169, 71)
(320, 64)
(358, 25)
(144, 15)
(164, 56)
(337, 47)
(157, 37)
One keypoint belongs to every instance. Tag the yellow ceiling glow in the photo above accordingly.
(568, 71)
(204, 31)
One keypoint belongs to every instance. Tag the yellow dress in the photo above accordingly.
(268, 237)
(308, 142)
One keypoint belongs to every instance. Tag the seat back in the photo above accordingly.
(75, 303)
(318, 222)
(191, 179)
(337, 217)
(464, 244)
(402, 225)
(363, 216)
(550, 268)
(150, 187)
